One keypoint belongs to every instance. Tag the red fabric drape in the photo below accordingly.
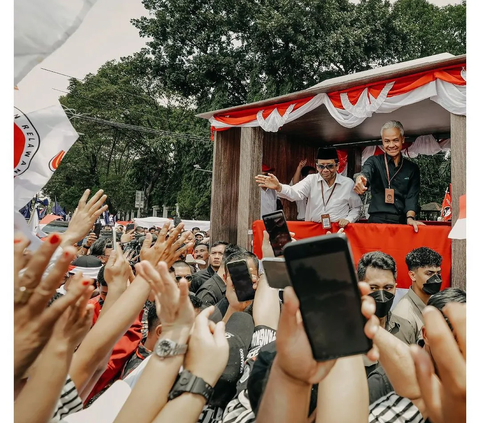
(396, 240)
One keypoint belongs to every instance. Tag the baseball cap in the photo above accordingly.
(266, 168)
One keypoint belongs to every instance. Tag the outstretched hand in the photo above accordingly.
(360, 185)
(444, 395)
(165, 249)
(33, 321)
(84, 217)
(269, 181)
(294, 353)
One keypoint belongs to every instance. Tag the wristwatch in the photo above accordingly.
(187, 382)
(411, 217)
(167, 348)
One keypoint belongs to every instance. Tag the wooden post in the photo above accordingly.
(223, 210)
(251, 149)
(458, 135)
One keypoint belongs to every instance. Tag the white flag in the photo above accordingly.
(42, 26)
(41, 139)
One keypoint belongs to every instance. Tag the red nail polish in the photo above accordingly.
(66, 254)
(54, 239)
(16, 241)
(85, 283)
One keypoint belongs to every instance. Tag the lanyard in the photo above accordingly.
(323, 198)
(388, 173)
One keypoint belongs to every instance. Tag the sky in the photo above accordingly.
(105, 34)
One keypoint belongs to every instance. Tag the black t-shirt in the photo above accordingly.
(212, 291)
(200, 278)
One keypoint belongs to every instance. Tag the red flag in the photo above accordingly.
(446, 213)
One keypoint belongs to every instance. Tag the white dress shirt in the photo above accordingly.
(268, 201)
(343, 204)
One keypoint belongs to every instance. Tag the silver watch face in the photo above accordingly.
(164, 347)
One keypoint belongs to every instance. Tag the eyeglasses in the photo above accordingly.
(188, 278)
(330, 166)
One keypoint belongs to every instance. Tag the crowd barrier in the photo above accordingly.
(396, 240)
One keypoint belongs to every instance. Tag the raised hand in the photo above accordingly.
(128, 236)
(206, 341)
(84, 217)
(165, 249)
(444, 394)
(302, 163)
(33, 322)
(360, 185)
(294, 353)
(117, 270)
(269, 181)
(174, 307)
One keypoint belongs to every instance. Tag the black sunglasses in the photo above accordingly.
(330, 166)
(188, 278)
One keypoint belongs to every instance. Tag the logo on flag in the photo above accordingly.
(446, 213)
(26, 142)
(55, 161)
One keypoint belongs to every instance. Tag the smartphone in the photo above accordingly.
(114, 238)
(276, 272)
(129, 227)
(241, 279)
(176, 221)
(97, 228)
(323, 276)
(276, 226)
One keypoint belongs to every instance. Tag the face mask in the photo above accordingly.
(383, 300)
(433, 284)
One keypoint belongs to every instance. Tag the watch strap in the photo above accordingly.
(188, 382)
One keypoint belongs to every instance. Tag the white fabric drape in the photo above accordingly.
(449, 96)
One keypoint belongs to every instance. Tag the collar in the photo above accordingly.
(416, 299)
(142, 352)
(391, 324)
(338, 180)
(220, 283)
(390, 159)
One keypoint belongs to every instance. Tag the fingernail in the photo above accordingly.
(66, 254)
(85, 283)
(54, 239)
(16, 241)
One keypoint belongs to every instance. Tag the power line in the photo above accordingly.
(59, 73)
(73, 114)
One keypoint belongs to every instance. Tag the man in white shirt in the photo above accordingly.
(268, 197)
(330, 196)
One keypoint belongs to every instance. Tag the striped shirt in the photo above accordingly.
(394, 409)
(68, 403)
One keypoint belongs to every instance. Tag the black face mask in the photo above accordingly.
(383, 300)
(432, 285)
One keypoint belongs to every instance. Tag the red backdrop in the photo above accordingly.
(396, 240)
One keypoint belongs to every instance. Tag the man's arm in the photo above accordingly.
(411, 199)
(298, 172)
(355, 204)
(296, 192)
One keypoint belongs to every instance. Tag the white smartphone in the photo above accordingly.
(276, 272)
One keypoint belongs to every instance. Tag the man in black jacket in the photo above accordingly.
(214, 261)
(394, 181)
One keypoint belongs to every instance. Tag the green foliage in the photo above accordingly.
(122, 160)
(435, 176)
(221, 53)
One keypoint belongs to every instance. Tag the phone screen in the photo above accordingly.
(129, 227)
(241, 280)
(276, 226)
(276, 272)
(97, 229)
(330, 304)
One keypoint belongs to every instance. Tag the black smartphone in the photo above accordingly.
(241, 279)
(129, 227)
(276, 272)
(97, 228)
(276, 226)
(176, 221)
(323, 276)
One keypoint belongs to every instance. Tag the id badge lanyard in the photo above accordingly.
(389, 192)
(326, 223)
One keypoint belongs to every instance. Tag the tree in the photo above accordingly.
(120, 159)
(221, 53)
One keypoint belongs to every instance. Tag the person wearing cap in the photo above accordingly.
(394, 181)
(268, 197)
(330, 195)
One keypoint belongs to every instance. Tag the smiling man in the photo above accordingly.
(394, 181)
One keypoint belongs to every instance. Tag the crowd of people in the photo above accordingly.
(146, 326)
